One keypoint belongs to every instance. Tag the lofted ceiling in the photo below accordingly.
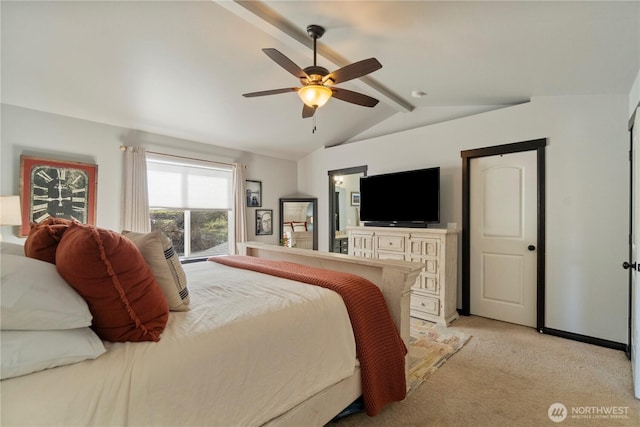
(179, 68)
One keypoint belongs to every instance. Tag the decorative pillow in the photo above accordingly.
(157, 250)
(43, 239)
(299, 226)
(109, 272)
(24, 352)
(34, 296)
(11, 248)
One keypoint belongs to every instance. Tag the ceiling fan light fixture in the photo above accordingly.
(314, 95)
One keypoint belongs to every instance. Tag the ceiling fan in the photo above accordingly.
(317, 82)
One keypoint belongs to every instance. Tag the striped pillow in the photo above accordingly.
(158, 252)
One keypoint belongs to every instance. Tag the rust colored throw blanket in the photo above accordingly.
(379, 346)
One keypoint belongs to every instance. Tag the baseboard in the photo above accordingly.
(584, 338)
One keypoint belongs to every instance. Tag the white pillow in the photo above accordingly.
(158, 252)
(11, 248)
(36, 297)
(24, 352)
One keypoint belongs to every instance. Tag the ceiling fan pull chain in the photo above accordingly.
(314, 129)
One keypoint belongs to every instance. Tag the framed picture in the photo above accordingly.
(253, 190)
(264, 222)
(57, 188)
(355, 199)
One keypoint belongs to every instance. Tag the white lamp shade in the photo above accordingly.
(315, 95)
(10, 213)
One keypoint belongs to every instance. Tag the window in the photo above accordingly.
(191, 202)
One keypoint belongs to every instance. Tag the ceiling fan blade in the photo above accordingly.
(308, 111)
(353, 71)
(285, 63)
(354, 97)
(270, 92)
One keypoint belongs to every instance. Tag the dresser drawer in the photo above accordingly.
(361, 254)
(431, 266)
(361, 242)
(425, 304)
(391, 243)
(428, 284)
(391, 255)
(424, 247)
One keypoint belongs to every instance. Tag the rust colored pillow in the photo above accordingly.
(43, 239)
(109, 272)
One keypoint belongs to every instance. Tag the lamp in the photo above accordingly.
(10, 210)
(315, 95)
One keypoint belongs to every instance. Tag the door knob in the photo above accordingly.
(626, 265)
(531, 248)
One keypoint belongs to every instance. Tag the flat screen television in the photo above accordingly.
(401, 199)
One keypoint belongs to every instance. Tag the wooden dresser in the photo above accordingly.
(434, 295)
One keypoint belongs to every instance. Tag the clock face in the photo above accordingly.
(60, 192)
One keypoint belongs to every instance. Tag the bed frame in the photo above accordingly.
(394, 278)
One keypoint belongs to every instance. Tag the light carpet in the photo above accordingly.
(429, 347)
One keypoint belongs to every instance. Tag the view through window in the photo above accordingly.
(191, 202)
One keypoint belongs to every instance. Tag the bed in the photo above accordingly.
(297, 224)
(252, 349)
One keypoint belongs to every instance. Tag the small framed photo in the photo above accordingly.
(264, 222)
(57, 188)
(253, 191)
(355, 199)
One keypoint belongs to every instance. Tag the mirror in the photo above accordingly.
(344, 205)
(298, 221)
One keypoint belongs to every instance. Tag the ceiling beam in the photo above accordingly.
(262, 16)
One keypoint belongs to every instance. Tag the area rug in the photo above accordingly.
(429, 347)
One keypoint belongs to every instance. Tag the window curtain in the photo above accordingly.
(135, 196)
(239, 208)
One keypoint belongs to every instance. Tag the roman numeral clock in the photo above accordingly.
(54, 188)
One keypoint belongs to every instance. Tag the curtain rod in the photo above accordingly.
(124, 148)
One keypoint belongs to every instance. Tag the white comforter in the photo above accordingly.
(251, 347)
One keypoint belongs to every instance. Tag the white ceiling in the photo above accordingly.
(179, 68)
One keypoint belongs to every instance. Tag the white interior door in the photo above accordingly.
(503, 237)
(635, 244)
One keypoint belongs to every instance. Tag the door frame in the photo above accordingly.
(629, 350)
(537, 145)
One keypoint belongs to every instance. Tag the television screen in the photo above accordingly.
(409, 198)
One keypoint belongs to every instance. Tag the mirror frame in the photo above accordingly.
(332, 189)
(315, 216)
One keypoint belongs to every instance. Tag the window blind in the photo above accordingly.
(191, 185)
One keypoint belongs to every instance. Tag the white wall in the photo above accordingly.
(586, 201)
(46, 135)
(634, 95)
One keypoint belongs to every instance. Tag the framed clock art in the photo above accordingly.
(56, 188)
